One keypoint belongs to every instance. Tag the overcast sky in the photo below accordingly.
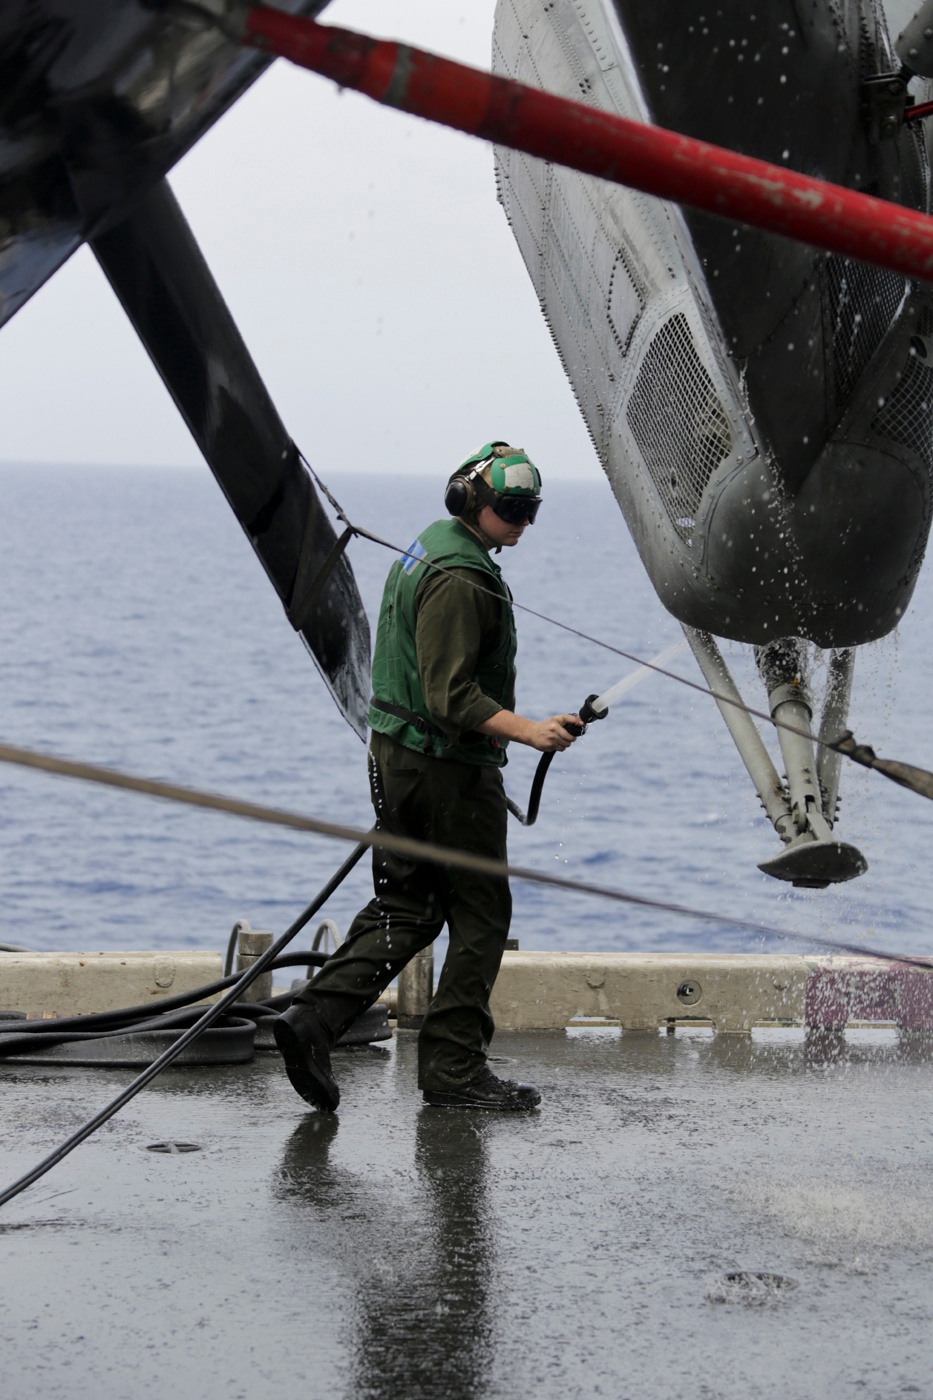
(370, 269)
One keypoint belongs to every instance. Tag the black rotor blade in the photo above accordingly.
(156, 268)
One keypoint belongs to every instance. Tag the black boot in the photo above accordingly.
(486, 1091)
(305, 1042)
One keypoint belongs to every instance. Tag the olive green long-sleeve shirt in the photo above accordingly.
(456, 625)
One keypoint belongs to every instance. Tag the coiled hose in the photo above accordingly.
(172, 1015)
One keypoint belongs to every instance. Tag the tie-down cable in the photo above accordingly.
(907, 775)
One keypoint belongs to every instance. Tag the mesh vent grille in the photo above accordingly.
(907, 413)
(677, 419)
(862, 302)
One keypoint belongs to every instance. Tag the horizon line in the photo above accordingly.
(202, 466)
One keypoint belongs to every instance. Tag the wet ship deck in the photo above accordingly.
(607, 1245)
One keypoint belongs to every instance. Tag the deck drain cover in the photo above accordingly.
(752, 1289)
(173, 1147)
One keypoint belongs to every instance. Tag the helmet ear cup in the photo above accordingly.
(458, 496)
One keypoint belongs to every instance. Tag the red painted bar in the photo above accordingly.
(646, 158)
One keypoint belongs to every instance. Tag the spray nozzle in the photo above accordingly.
(586, 715)
(587, 712)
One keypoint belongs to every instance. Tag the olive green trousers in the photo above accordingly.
(452, 804)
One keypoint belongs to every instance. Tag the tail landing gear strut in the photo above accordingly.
(803, 809)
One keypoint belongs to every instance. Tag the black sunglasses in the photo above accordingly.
(515, 510)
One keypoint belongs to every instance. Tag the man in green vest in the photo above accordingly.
(442, 715)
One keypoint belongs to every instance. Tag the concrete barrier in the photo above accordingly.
(73, 984)
(732, 992)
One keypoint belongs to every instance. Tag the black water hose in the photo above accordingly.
(586, 716)
(231, 947)
(207, 1018)
(138, 1018)
(105, 1024)
(23, 1040)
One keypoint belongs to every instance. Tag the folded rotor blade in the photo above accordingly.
(156, 268)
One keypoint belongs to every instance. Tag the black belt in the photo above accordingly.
(417, 721)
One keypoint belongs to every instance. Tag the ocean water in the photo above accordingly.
(139, 631)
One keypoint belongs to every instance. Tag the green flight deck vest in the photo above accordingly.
(396, 679)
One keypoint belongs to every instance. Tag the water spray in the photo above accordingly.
(600, 703)
(593, 708)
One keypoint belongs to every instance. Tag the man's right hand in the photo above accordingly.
(545, 735)
(552, 735)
